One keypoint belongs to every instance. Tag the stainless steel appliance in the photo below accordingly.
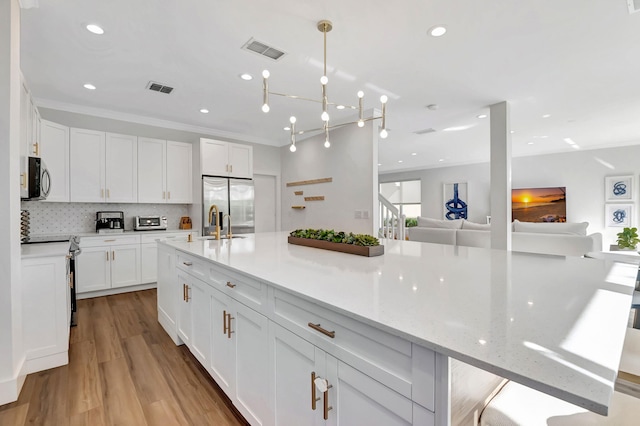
(109, 222)
(232, 197)
(36, 182)
(149, 223)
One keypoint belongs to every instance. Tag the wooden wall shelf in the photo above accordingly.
(315, 198)
(298, 192)
(298, 207)
(310, 182)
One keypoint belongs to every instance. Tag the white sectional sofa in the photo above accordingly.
(564, 239)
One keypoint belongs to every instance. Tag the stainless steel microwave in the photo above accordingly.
(36, 183)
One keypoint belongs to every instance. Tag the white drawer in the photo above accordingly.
(382, 356)
(241, 288)
(191, 265)
(107, 240)
(171, 236)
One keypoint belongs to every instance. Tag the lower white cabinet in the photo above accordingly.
(46, 312)
(194, 317)
(108, 262)
(169, 291)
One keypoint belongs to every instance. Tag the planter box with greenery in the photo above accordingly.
(328, 239)
(628, 239)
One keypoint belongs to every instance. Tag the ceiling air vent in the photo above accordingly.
(158, 87)
(634, 6)
(424, 131)
(264, 49)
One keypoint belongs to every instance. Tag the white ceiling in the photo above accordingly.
(576, 60)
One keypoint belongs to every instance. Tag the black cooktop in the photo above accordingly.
(39, 239)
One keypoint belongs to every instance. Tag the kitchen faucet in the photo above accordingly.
(217, 231)
(229, 223)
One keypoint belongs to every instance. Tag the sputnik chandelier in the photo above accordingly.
(324, 27)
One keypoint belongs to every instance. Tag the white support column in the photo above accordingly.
(500, 176)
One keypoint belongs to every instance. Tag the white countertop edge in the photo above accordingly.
(44, 250)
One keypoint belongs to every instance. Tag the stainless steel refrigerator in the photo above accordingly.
(231, 196)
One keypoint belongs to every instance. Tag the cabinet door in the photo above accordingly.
(148, 263)
(93, 269)
(125, 265)
(179, 173)
(54, 147)
(222, 361)
(87, 173)
(214, 157)
(25, 147)
(184, 309)
(35, 130)
(151, 170)
(168, 291)
(121, 165)
(240, 161)
(200, 320)
(251, 333)
(357, 399)
(291, 362)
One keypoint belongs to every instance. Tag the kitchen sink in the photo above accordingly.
(224, 237)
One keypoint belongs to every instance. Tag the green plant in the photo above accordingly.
(336, 236)
(628, 238)
(411, 221)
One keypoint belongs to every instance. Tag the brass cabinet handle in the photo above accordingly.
(224, 322)
(109, 241)
(107, 253)
(101, 193)
(317, 327)
(168, 195)
(36, 151)
(23, 180)
(229, 318)
(187, 298)
(230, 285)
(108, 194)
(163, 195)
(113, 255)
(326, 402)
(187, 263)
(313, 391)
(231, 168)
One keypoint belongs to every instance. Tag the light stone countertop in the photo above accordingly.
(44, 250)
(556, 324)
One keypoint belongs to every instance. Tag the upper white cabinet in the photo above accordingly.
(55, 153)
(29, 124)
(225, 159)
(164, 171)
(104, 167)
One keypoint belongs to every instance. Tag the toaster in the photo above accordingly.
(149, 223)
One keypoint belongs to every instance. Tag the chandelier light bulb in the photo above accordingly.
(360, 123)
(384, 133)
(265, 74)
(292, 148)
(325, 116)
(292, 119)
(265, 108)
(361, 94)
(327, 144)
(384, 99)
(324, 80)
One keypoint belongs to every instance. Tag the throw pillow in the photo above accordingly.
(427, 222)
(476, 226)
(571, 228)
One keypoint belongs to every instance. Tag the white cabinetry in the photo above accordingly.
(168, 291)
(55, 153)
(29, 133)
(108, 262)
(149, 253)
(219, 158)
(103, 167)
(46, 312)
(164, 171)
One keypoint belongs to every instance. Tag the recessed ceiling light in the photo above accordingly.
(379, 164)
(204, 111)
(456, 128)
(340, 107)
(437, 31)
(512, 132)
(414, 153)
(287, 128)
(441, 160)
(482, 116)
(399, 161)
(95, 29)
(546, 116)
(90, 86)
(529, 143)
(246, 76)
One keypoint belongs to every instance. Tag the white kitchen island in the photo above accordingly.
(555, 324)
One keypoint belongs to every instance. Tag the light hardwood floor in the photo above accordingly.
(123, 370)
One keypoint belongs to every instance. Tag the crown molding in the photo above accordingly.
(150, 121)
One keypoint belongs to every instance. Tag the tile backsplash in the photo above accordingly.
(69, 218)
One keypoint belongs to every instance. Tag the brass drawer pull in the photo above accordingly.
(224, 322)
(313, 391)
(230, 285)
(317, 327)
(187, 293)
(187, 263)
(229, 318)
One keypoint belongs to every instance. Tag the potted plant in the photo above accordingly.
(628, 238)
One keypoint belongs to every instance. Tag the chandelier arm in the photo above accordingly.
(335, 126)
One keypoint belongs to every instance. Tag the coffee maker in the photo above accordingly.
(109, 222)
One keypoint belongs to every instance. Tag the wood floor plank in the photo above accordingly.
(147, 377)
(84, 378)
(121, 404)
(93, 417)
(108, 344)
(127, 321)
(165, 413)
(84, 328)
(15, 416)
(48, 402)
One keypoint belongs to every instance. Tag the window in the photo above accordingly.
(405, 196)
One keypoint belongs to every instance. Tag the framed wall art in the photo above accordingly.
(618, 215)
(618, 188)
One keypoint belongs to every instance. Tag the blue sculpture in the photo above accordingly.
(456, 208)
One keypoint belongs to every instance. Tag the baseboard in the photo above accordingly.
(10, 389)
(169, 326)
(110, 291)
(46, 362)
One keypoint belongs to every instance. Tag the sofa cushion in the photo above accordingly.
(427, 222)
(473, 238)
(551, 228)
(556, 244)
(476, 226)
(433, 235)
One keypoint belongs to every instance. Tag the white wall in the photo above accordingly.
(352, 163)
(581, 172)
(11, 348)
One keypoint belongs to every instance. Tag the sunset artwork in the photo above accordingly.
(539, 204)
